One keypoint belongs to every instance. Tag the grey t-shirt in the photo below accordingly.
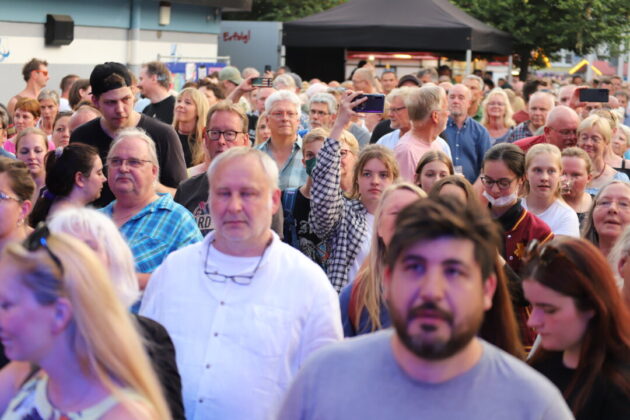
(360, 379)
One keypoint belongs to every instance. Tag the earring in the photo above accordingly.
(20, 222)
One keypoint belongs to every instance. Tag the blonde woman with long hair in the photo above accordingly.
(362, 305)
(189, 120)
(59, 311)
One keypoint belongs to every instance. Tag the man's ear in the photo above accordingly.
(489, 287)
(95, 101)
(275, 200)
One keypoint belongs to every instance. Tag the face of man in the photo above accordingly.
(562, 131)
(590, 107)
(242, 202)
(116, 105)
(539, 108)
(398, 114)
(564, 96)
(224, 121)
(130, 173)
(319, 115)
(146, 82)
(40, 76)
(616, 84)
(436, 297)
(283, 119)
(261, 97)
(474, 88)
(389, 82)
(458, 100)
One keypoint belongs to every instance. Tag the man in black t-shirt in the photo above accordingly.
(111, 94)
(155, 83)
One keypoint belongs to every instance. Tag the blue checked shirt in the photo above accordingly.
(157, 230)
(521, 131)
(468, 146)
(293, 173)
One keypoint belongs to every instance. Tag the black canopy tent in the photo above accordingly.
(388, 25)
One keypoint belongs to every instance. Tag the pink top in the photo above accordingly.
(9, 146)
(409, 151)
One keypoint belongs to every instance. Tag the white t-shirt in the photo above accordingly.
(561, 218)
(364, 250)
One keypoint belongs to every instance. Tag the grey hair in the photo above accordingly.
(82, 222)
(476, 78)
(401, 92)
(140, 134)
(269, 166)
(284, 81)
(48, 94)
(283, 95)
(325, 98)
(424, 101)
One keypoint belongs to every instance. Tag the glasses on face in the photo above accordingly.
(278, 115)
(7, 197)
(567, 132)
(116, 162)
(345, 152)
(397, 110)
(228, 135)
(318, 112)
(38, 239)
(502, 183)
(240, 279)
(606, 203)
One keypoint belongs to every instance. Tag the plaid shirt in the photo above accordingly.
(333, 217)
(519, 132)
(293, 173)
(157, 230)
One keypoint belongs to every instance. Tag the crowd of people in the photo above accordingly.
(241, 252)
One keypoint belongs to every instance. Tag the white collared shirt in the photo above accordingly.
(238, 347)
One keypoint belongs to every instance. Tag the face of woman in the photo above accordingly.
(496, 106)
(11, 214)
(431, 173)
(48, 109)
(543, 174)
(497, 170)
(61, 132)
(612, 211)
(22, 120)
(348, 160)
(185, 109)
(619, 143)
(395, 202)
(32, 151)
(93, 184)
(25, 325)
(373, 179)
(555, 318)
(263, 131)
(592, 142)
(576, 176)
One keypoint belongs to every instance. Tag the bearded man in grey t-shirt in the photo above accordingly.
(439, 281)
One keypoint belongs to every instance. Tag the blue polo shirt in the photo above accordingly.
(468, 146)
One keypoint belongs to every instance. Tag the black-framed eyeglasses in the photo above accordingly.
(38, 239)
(502, 183)
(229, 135)
(240, 279)
(116, 162)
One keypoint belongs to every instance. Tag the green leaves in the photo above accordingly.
(283, 10)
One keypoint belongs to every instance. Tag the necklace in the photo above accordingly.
(601, 172)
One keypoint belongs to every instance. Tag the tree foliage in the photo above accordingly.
(545, 26)
(282, 10)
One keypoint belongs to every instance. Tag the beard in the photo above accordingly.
(425, 342)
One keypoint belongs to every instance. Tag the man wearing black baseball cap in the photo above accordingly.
(112, 95)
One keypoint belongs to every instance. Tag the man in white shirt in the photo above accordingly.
(243, 308)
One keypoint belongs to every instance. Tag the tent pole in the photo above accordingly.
(510, 68)
(468, 62)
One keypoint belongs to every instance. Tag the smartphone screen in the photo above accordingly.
(374, 104)
(594, 95)
(262, 82)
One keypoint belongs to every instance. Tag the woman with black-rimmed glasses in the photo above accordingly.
(584, 327)
(503, 174)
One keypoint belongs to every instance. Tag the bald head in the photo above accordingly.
(81, 116)
(561, 127)
(565, 93)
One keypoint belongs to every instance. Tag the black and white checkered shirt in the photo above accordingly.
(340, 221)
